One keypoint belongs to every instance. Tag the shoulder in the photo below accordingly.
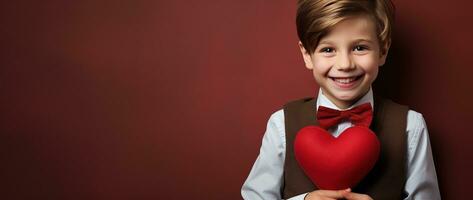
(275, 130)
(276, 122)
(414, 116)
(416, 129)
(298, 109)
(277, 117)
(415, 122)
(298, 102)
(417, 134)
(390, 105)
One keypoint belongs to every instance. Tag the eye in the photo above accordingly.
(326, 50)
(360, 48)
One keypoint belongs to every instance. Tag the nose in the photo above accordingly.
(344, 62)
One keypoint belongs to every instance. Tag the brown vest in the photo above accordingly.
(385, 181)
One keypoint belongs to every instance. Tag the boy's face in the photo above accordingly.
(345, 62)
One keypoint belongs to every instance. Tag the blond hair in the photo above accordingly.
(315, 18)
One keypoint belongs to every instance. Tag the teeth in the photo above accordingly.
(344, 80)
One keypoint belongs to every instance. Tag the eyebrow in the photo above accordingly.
(363, 40)
(325, 42)
(354, 41)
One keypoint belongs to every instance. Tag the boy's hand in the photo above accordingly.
(336, 194)
(326, 194)
(356, 196)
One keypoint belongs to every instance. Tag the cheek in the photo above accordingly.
(321, 65)
(368, 63)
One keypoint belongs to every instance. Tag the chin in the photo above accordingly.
(348, 97)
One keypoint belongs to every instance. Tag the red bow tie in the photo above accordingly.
(360, 115)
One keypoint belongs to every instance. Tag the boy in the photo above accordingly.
(344, 42)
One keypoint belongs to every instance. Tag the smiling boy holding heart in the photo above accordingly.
(346, 143)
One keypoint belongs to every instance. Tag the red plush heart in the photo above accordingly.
(336, 163)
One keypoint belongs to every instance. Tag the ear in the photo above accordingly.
(306, 56)
(384, 52)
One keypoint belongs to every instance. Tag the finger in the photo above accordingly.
(356, 196)
(327, 198)
(336, 194)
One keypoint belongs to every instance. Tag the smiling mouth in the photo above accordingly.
(346, 80)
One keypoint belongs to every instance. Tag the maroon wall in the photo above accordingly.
(105, 99)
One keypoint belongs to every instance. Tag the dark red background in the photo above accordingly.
(106, 99)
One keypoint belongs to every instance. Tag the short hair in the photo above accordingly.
(315, 18)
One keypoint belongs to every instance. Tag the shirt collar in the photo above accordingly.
(322, 100)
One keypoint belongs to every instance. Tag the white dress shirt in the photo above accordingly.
(266, 177)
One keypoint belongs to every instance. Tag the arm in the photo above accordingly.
(421, 180)
(266, 176)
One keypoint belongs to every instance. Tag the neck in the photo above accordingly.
(343, 104)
